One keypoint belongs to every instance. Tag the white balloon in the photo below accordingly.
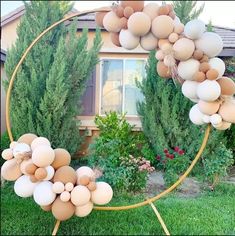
(82, 211)
(189, 89)
(148, 42)
(210, 43)
(216, 119)
(187, 69)
(21, 148)
(85, 170)
(218, 64)
(24, 187)
(40, 141)
(128, 40)
(194, 29)
(194, 100)
(50, 172)
(103, 193)
(206, 119)
(196, 116)
(43, 194)
(208, 90)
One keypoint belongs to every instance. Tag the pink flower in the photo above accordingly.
(165, 150)
(176, 149)
(181, 152)
(158, 157)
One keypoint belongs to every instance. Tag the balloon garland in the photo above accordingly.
(185, 53)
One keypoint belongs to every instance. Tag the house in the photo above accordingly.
(112, 85)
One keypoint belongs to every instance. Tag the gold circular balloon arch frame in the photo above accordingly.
(105, 208)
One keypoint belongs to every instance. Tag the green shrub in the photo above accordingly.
(5, 141)
(115, 152)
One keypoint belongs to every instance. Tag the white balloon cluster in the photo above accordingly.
(44, 173)
(187, 53)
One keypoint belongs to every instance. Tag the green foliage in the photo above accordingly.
(187, 10)
(111, 152)
(209, 27)
(50, 83)
(5, 141)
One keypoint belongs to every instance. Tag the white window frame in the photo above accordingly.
(124, 59)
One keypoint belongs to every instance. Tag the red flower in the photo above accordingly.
(176, 149)
(168, 155)
(181, 152)
(172, 156)
(158, 157)
(165, 150)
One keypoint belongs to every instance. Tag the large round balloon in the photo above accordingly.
(194, 29)
(187, 69)
(163, 70)
(139, 23)
(24, 187)
(43, 194)
(112, 22)
(62, 158)
(65, 174)
(162, 26)
(149, 42)
(189, 89)
(85, 170)
(196, 116)
(217, 64)
(85, 210)
(103, 193)
(40, 141)
(151, 9)
(80, 195)
(183, 49)
(208, 108)
(227, 86)
(43, 155)
(7, 154)
(128, 40)
(10, 170)
(62, 210)
(210, 43)
(227, 111)
(27, 138)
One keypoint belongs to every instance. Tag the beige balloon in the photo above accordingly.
(112, 22)
(227, 111)
(43, 156)
(7, 154)
(162, 26)
(24, 164)
(183, 49)
(10, 170)
(40, 141)
(65, 174)
(208, 108)
(85, 170)
(102, 194)
(149, 42)
(227, 86)
(151, 9)
(62, 158)
(224, 125)
(27, 138)
(80, 195)
(128, 40)
(84, 210)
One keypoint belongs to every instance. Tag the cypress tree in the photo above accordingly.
(49, 84)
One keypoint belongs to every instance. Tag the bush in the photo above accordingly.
(115, 152)
(5, 141)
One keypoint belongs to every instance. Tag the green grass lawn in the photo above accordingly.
(212, 213)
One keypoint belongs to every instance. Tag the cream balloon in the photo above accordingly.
(151, 9)
(225, 125)
(210, 43)
(189, 89)
(148, 42)
(196, 116)
(10, 170)
(23, 165)
(217, 64)
(23, 186)
(7, 154)
(206, 119)
(80, 195)
(43, 155)
(102, 194)
(58, 187)
(69, 186)
(187, 69)
(85, 210)
(208, 90)
(159, 55)
(183, 49)
(215, 119)
(50, 172)
(208, 108)
(194, 29)
(85, 170)
(112, 22)
(128, 40)
(65, 196)
(40, 141)
(43, 194)
(27, 138)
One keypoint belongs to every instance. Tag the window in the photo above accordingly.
(118, 85)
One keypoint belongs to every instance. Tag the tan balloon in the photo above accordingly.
(10, 170)
(91, 186)
(227, 111)
(212, 74)
(199, 76)
(85, 170)
(172, 15)
(205, 58)
(103, 193)
(65, 174)
(40, 173)
(62, 210)
(46, 208)
(173, 37)
(183, 49)
(85, 210)
(162, 26)
(23, 165)
(178, 28)
(27, 138)
(159, 55)
(120, 11)
(198, 54)
(135, 5)
(7, 154)
(208, 108)
(62, 158)
(163, 70)
(30, 168)
(163, 10)
(151, 9)
(33, 179)
(227, 86)
(149, 42)
(40, 141)
(224, 125)
(84, 180)
(128, 11)
(123, 22)
(112, 22)
(139, 23)
(43, 156)
(115, 39)
(80, 195)
(99, 16)
(162, 42)
(204, 67)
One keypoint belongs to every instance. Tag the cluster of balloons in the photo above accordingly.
(44, 173)
(187, 53)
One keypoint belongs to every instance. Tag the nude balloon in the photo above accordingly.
(227, 111)
(208, 108)
(189, 89)
(102, 194)
(151, 9)
(43, 156)
(227, 86)
(27, 138)
(10, 170)
(187, 69)
(149, 42)
(85, 210)
(128, 40)
(183, 49)
(217, 64)
(112, 22)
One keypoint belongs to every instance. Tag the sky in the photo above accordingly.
(221, 13)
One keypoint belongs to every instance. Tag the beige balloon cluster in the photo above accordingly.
(186, 53)
(44, 173)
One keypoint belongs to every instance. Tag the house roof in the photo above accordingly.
(88, 21)
(3, 55)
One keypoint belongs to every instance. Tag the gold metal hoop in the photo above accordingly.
(114, 208)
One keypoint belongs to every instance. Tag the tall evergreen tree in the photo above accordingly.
(187, 10)
(49, 84)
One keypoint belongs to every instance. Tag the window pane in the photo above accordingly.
(134, 70)
(111, 96)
